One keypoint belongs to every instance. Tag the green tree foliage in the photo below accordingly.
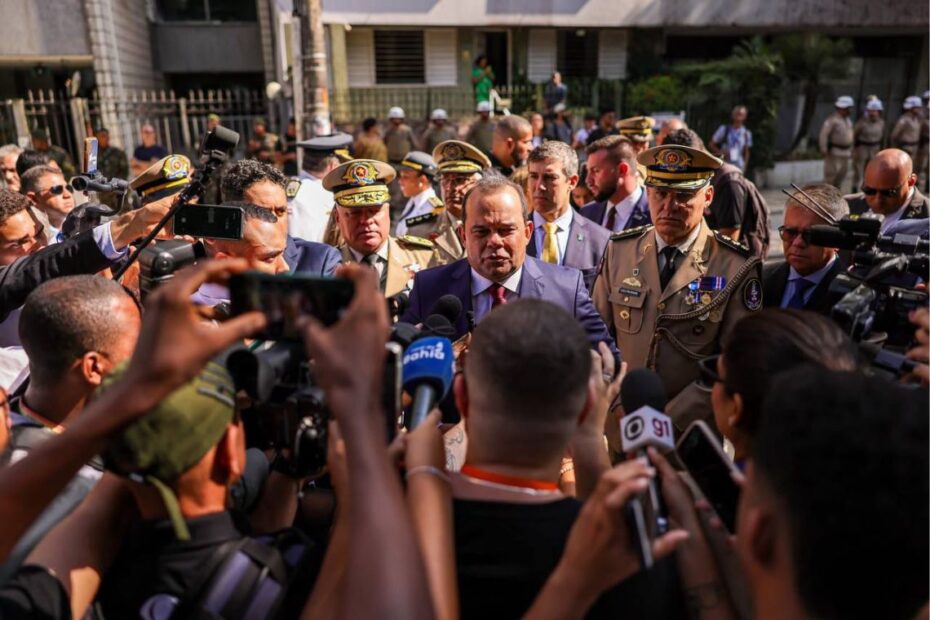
(809, 59)
(659, 92)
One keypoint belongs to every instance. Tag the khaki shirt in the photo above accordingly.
(434, 136)
(868, 132)
(836, 136)
(666, 330)
(442, 228)
(906, 132)
(406, 256)
(399, 141)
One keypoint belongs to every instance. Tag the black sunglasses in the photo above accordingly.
(57, 190)
(887, 193)
(707, 367)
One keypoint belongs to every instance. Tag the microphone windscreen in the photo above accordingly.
(448, 306)
(640, 388)
(438, 325)
(429, 361)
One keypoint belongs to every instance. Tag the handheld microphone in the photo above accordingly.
(428, 369)
(448, 306)
(895, 363)
(642, 387)
(397, 304)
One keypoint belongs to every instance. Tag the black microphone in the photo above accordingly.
(895, 363)
(642, 387)
(448, 306)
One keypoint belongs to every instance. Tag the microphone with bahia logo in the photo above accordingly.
(428, 370)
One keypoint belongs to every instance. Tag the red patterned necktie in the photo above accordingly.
(611, 219)
(498, 295)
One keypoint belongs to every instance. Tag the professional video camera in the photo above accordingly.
(877, 293)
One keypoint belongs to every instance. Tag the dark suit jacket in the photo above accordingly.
(775, 280)
(585, 247)
(310, 257)
(77, 255)
(594, 211)
(917, 208)
(562, 286)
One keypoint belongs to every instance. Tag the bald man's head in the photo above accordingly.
(889, 177)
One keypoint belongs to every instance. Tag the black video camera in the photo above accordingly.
(877, 293)
(159, 261)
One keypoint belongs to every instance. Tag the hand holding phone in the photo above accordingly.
(712, 471)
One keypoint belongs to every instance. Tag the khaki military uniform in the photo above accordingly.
(669, 330)
(867, 140)
(407, 255)
(906, 134)
(433, 136)
(923, 153)
(442, 228)
(399, 142)
(836, 142)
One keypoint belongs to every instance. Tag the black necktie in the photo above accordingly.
(671, 254)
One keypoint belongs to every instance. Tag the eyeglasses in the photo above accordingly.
(58, 190)
(707, 367)
(789, 233)
(887, 193)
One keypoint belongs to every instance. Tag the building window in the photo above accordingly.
(578, 53)
(207, 10)
(399, 57)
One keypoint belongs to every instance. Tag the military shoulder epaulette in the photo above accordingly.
(421, 219)
(733, 245)
(437, 203)
(629, 233)
(416, 241)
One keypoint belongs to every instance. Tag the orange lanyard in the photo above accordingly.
(509, 481)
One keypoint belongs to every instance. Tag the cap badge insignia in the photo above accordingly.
(361, 174)
(453, 151)
(673, 160)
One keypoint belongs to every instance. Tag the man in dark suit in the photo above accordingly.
(619, 200)
(889, 189)
(802, 280)
(496, 231)
(310, 257)
(561, 236)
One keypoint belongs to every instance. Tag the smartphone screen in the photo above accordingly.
(284, 297)
(391, 389)
(211, 221)
(711, 470)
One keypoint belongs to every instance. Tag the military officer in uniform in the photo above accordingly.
(836, 141)
(360, 189)
(906, 132)
(670, 291)
(867, 138)
(460, 166)
(308, 203)
(415, 175)
(638, 130)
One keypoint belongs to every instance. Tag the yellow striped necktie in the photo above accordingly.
(550, 253)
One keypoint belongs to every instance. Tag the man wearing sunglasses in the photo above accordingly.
(802, 280)
(890, 190)
(48, 191)
(668, 292)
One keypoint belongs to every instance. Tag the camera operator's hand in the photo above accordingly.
(349, 356)
(921, 352)
(174, 344)
(599, 552)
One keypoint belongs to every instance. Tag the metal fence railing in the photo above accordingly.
(179, 122)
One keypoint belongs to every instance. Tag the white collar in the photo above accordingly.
(422, 197)
(628, 202)
(480, 284)
(382, 253)
(684, 246)
(563, 222)
(815, 277)
(309, 176)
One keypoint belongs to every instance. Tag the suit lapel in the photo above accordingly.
(640, 215)
(822, 289)
(532, 284)
(291, 254)
(777, 285)
(460, 286)
(577, 241)
(917, 208)
(691, 266)
(346, 254)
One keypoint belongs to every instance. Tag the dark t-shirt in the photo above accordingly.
(33, 592)
(728, 208)
(149, 153)
(505, 552)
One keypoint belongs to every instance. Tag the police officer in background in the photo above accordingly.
(415, 175)
(309, 204)
(460, 166)
(669, 292)
(438, 131)
(906, 132)
(867, 136)
(638, 130)
(836, 142)
(360, 189)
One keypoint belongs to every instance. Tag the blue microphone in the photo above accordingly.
(428, 369)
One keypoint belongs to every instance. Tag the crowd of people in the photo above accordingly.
(148, 472)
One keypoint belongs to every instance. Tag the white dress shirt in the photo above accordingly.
(624, 210)
(417, 205)
(308, 211)
(563, 225)
(380, 264)
(891, 218)
(481, 298)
